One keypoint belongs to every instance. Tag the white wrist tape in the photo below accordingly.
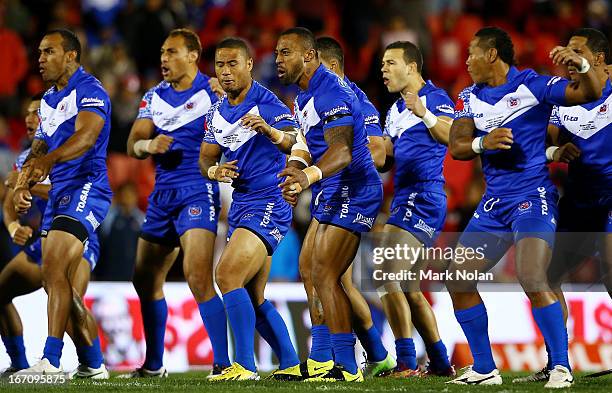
(299, 159)
(550, 152)
(390, 287)
(211, 172)
(584, 67)
(300, 143)
(429, 119)
(141, 147)
(12, 228)
(279, 138)
(313, 173)
(477, 145)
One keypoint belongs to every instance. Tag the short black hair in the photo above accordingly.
(70, 42)
(412, 54)
(305, 35)
(192, 41)
(596, 41)
(235, 43)
(494, 37)
(330, 49)
(37, 97)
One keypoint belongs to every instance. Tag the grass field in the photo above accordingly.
(195, 382)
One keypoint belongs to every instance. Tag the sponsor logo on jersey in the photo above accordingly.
(526, 205)
(64, 200)
(92, 101)
(445, 108)
(276, 234)
(425, 228)
(543, 201)
(372, 119)
(410, 203)
(267, 214)
(336, 110)
(83, 197)
(283, 117)
(92, 220)
(195, 211)
(363, 220)
(570, 118)
(344, 208)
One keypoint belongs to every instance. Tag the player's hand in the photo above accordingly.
(38, 169)
(22, 199)
(215, 86)
(226, 172)
(566, 153)
(414, 103)
(256, 123)
(563, 55)
(11, 179)
(499, 138)
(22, 235)
(160, 144)
(292, 199)
(296, 181)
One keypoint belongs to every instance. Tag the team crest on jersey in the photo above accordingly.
(64, 200)
(603, 110)
(189, 105)
(327, 208)
(523, 206)
(62, 107)
(195, 211)
(513, 102)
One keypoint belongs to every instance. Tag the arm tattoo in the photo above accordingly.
(340, 134)
(39, 149)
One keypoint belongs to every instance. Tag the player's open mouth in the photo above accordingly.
(280, 72)
(165, 71)
(385, 81)
(227, 82)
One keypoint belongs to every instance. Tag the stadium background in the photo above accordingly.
(121, 40)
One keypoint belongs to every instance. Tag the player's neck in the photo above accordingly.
(65, 77)
(186, 81)
(309, 70)
(499, 75)
(236, 98)
(603, 76)
(414, 85)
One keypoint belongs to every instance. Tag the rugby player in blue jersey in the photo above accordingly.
(22, 276)
(330, 118)
(378, 359)
(183, 207)
(69, 147)
(503, 118)
(581, 136)
(417, 127)
(252, 129)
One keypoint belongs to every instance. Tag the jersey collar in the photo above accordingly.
(318, 74)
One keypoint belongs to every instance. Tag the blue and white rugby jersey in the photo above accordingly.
(371, 117)
(329, 102)
(259, 160)
(58, 112)
(181, 115)
(41, 203)
(524, 104)
(589, 127)
(418, 156)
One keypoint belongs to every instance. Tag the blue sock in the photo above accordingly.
(16, 351)
(475, 324)
(242, 320)
(273, 329)
(321, 349)
(91, 355)
(406, 353)
(154, 316)
(215, 322)
(53, 350)
(372, 343)
(551, 324)
(549, 365)
(438, 356)
(344, 351)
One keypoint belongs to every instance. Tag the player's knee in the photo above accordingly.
(226, 279)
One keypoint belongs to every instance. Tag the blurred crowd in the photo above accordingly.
(122, 38)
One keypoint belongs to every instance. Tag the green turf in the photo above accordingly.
(195, 382)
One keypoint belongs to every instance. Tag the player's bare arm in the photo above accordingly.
(19, 233)
(337, 157)
(377, 150)
(140, 144)
(438, 126)
(464, 146)
(587, 87)
(87, 129)
(284, 138)
(559, 150)
(210, 154)
(389, 155)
